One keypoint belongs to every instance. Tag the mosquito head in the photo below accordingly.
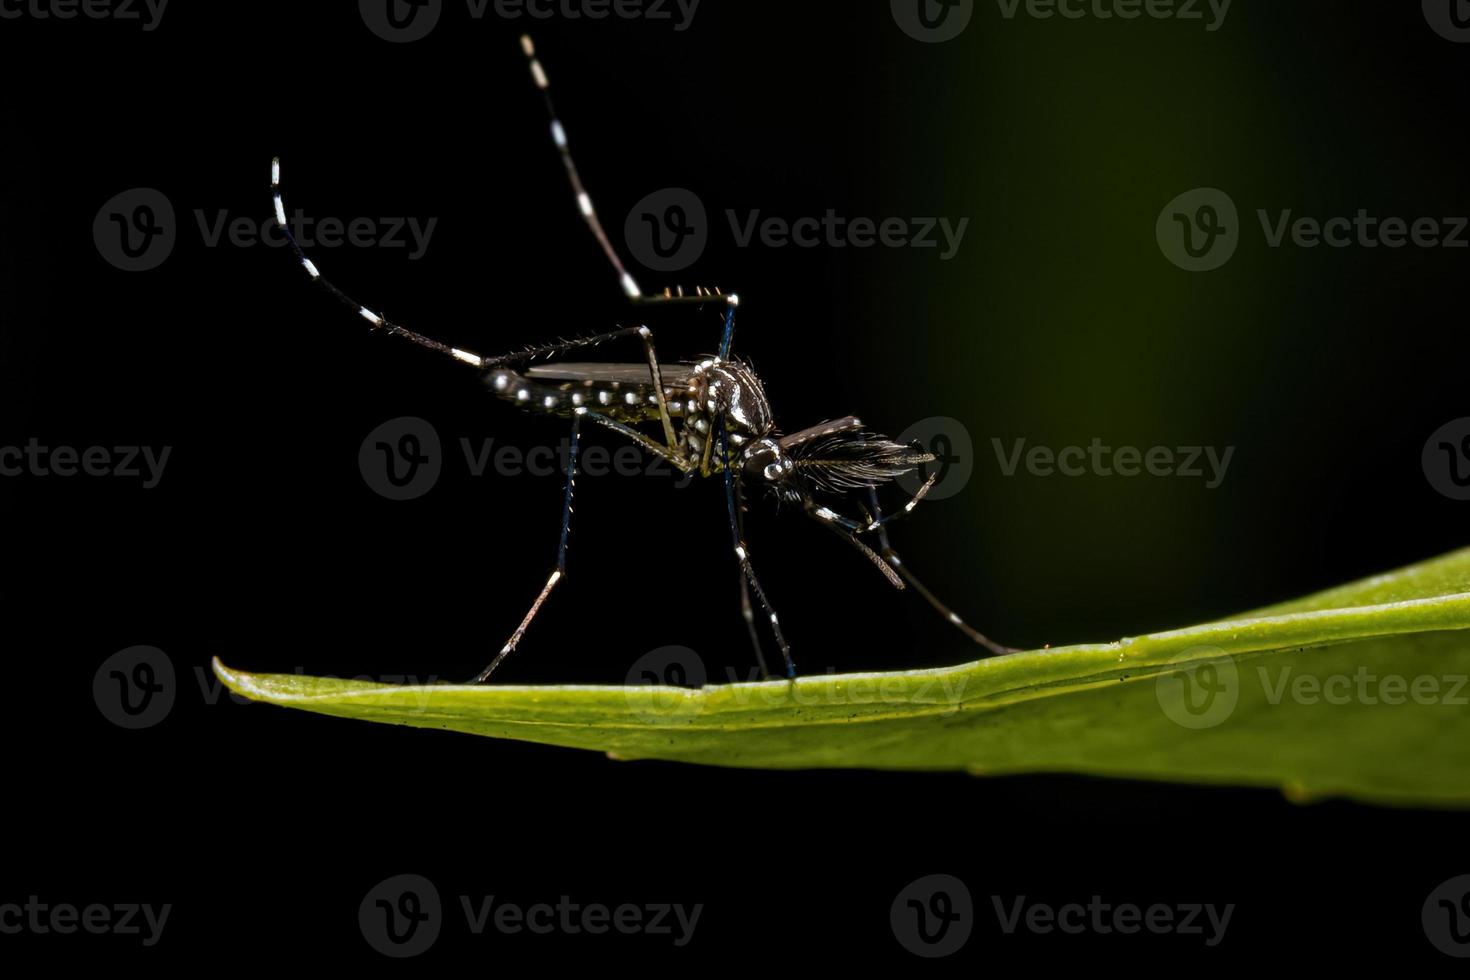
(766, 462)
(834, 457)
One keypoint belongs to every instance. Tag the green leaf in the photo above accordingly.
(1359, 691)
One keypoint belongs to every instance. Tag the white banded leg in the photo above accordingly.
(589, 211)
(378, 321)
(584, 200)
(742, 552)
(746, 610)
(673, 456)
(872, 522)
(848, 530)
(557, 573)
(896, 563)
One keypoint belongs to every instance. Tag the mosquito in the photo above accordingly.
(713, 417)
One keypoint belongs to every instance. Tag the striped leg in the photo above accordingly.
(875, 521)
(378, 321)
(584, 200)
(699, 296)
(742, 554)
(848, 530)
(557, 573)
(746, 611)
(897, 564)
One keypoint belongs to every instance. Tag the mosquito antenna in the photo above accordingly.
(584, 200)
(378, 321)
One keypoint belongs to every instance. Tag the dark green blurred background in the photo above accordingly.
(1327, 369)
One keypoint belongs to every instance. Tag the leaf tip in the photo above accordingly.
(238, 681)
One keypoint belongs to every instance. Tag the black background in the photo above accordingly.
(263, 545)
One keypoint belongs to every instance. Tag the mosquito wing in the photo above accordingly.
(604, 373)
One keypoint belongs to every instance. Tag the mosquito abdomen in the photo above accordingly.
(618, 400)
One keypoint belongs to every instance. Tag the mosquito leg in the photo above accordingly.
(561, 554)
(745, 608)
(378, 321)
(727, 336)
(891, 556)
(742, 553)
(584, 200)
(848, 530)
(674, 457)
(878, 522)
(670, 439)
(594, 223)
